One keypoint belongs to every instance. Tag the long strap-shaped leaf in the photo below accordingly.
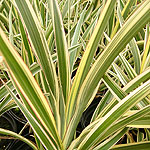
(133, 46)
(145, 53)
(34, 68)
(111, 141)
(61, 45)
(15, 135)
(88, 56)
(117, 92)
(141, 17)
(127, 89)
(132, 26)
(26, 43)
(124, 13)
(114, 128)
(38, 42)
(75, 39)
(28, 86)
(125, 122)
(143, 122)
(130, 146)
(37, 128)
(8, 107)
(112, 116)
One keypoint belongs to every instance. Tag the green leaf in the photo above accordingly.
(130, 71)
(137, 81)
(61, 45)
(4, 20)
(34, 68)
(136, 55)
(102, 104)
(26, 43)
(10, 26)
(145, 53)
(143, 122)
(121, 75)
(124, 13)
(3, 90)
(128, 88)
(15, 135)
(126, 33)
(130, 146)
(75, 39)
(114, 88)
(111, 141)
(119, 125)
(23, 79)
(125, 121)
(133, 46)
(38, 129)
(5, 101)
(113, 115)
(39, 44)
(7, 107)
(88, 57)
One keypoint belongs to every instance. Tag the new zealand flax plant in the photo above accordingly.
(44, 42)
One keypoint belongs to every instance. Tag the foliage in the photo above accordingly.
(55, 57)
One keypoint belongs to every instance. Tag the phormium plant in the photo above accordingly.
(40, 41)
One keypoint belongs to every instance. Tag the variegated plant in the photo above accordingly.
(40, 41)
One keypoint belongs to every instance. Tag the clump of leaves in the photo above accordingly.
(46, 38)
